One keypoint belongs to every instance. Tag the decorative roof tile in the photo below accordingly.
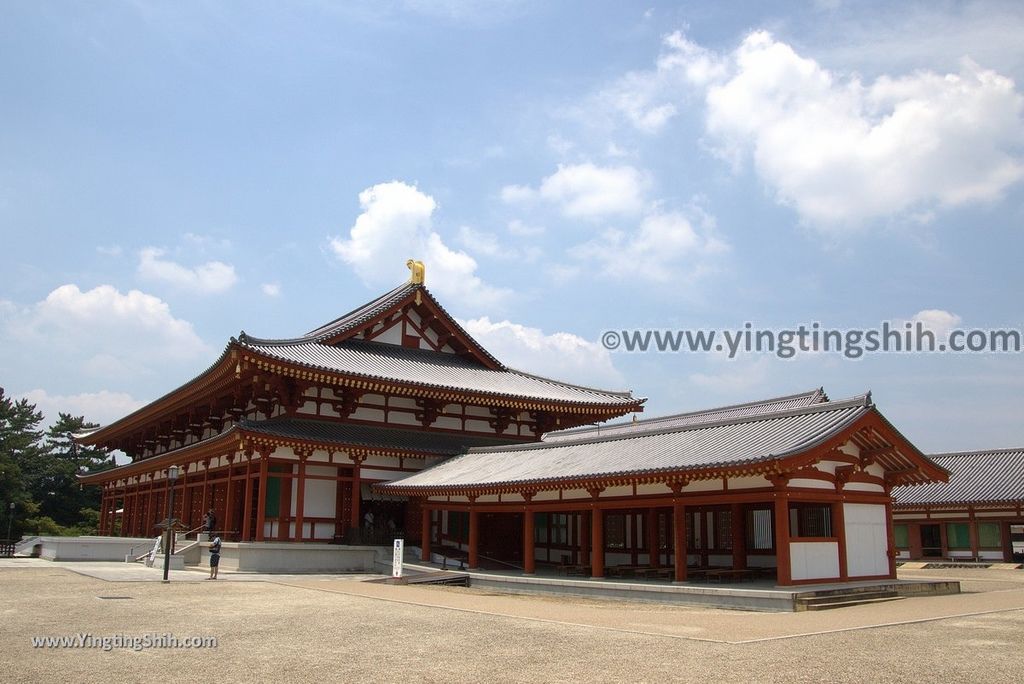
(724, 443)
(679, 420)
(974, 477)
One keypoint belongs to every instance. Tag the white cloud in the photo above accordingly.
(587, 191)
(647, 99)
(99, 407)
(517, 194)
(520, 229)
(271, 289)
(938, 321)
(110, 250)
(396, 225)
(738, 379)
(560, 355)
(666, 247)
(209, 278)
(490, 245)
(97, 333)
(839, 151)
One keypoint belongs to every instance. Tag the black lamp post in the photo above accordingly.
(172, 475)
(10, 519)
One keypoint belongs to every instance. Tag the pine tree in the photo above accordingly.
(21, 456)
(57, 490)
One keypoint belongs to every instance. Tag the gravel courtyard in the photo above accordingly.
(310, 628)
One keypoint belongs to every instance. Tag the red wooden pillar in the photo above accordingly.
(300, 497)
(585, 538)
(136, 507)
(839, 532)
(739, 537)
(782, 557)
(425, 514)
(103, 512)
(357, 492)
(261, 504)
(529, 551)
(597, 542)
(972, 531)
(474, 539)
(679, 540)
(229, 522)
(890, 539)
(186, 498)
(247, 504)
(206, 489)
(128, 524)
(653, 548)
(1004, 536)
(150, 504)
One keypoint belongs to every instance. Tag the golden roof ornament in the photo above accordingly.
(418, 272)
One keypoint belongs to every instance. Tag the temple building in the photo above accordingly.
(977, 515)
(282, 439)
(393, 420)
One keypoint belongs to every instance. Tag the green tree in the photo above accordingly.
(21, 456)
(56, 487)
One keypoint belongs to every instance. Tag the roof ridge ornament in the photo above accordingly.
(417, 272)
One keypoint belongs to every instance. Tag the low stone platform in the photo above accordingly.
(758, 595)
(297, 557)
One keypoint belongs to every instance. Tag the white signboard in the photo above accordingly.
(396, 560)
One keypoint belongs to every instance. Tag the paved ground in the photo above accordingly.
(336, 628)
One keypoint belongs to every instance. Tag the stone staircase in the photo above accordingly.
(842, 598)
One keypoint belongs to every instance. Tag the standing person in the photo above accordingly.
(214, 557)
(211, 520)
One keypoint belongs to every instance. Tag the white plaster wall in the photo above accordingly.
(321, 498)
(851, 449)
(364, 413)
(575, 494)
(546, 496)
(624, 490)
(392, 335)
(993, 514)
(810, 484)
(323, 530)
(652, 489)
(402, 418)
(863, 487)
(747, 482)
(403, 402)
(329, 471)
(703, 486)
(448, 422)
(814, 560)
(829, 466)
(383, 475)
(866, 540)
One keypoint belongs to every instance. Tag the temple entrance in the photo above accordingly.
(931, 541)
(501, 540)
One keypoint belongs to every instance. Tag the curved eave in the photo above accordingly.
(238, 438)
(221, 370)
(370, 382)
(907, 464)
(213, 446)
(653, 476)
(938, 505)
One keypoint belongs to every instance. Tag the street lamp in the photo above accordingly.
(10, 519)
(172, 475)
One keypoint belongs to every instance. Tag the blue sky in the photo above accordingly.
(171, 173)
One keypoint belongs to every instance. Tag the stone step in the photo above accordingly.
(839, 600)
(851, 602)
